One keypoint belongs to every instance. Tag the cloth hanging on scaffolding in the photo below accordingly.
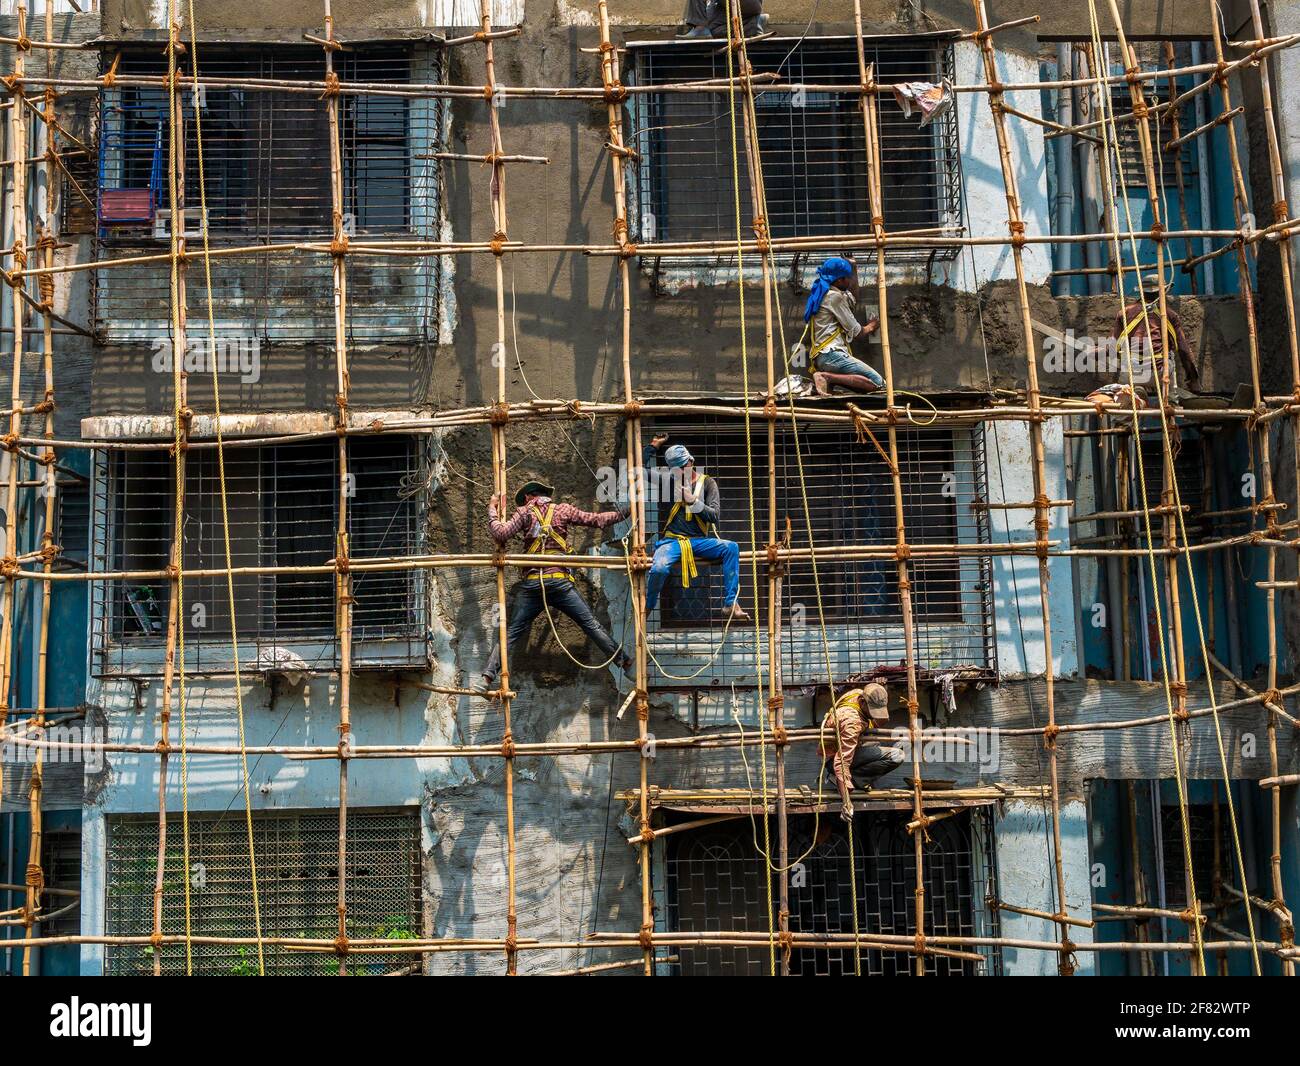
(929, 99)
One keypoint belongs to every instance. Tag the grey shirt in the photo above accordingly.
(835, 325)
(707, 506)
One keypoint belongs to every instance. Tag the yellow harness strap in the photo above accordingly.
(1144, 316)
(689, 570)
(539, 542)
(821, 346)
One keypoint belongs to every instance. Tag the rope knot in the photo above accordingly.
(1050, 733)
(646, 937)
(615, 92)
(499, 414)
(331, 85)
(508, 746)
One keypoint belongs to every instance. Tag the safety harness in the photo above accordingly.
(1144, 317)
(689, 569)
(540, 544)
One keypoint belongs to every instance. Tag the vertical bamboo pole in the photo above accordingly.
(499, 465)
(776, 697)
(18, 147)
(1042, 521)
(343, 577)
(1286, 260)
(1174, 649)
(35, 873)
(174, 656)
(618, 151)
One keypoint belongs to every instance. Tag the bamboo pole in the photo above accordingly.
(1042, 519)
(342, 559)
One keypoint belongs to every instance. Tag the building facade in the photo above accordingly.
(271, 636)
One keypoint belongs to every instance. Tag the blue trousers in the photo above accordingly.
(668, 556)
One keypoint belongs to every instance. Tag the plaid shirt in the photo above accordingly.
(524, 523)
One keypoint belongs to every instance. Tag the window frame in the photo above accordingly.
(946, 167)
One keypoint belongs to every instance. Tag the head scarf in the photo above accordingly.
(830, 271)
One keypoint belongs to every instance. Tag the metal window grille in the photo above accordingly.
(282, 502)
(1200, 830)
(814, 160)
(297, 868)
(266, 177)
(61, 863)
(72, 532)
(715, 882)
(850, 502)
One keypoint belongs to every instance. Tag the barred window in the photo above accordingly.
(265, 171)
(715, 882)
(849, 492)
(812, 143)
(282, 502)
(297, 870)
(266, 180)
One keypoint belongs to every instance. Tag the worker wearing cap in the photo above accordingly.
(848, 760)
(545, 524)
(831, 314)
(1139, 328)
(690, 535)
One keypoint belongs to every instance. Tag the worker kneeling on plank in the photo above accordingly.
(691, 532)
(544, 523)
(849, 761)
(831, 314)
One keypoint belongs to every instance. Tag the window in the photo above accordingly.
(715, 882)
(1201, 831)
(72, 515)
(282, 503)
(61, 863)
(850, 501)
(297, 868)
(266, 180)
(266, 160)
(814, 160)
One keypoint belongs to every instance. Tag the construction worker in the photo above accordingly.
(708, 18)
(1137, 328)
(832, 318)
(849, 762)
(545, 523)
(691, 532)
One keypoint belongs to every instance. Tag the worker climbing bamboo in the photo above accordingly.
(831, 314)
(849, 762)
(690, 534)
(1139, 334)
(545, 525)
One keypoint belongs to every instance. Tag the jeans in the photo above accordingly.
(707, 550)
(838, 361)
(528, 604)
(870, 761)
(713, 13)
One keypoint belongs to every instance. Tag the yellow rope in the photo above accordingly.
(1191, 578)
(221, 477)
(179, 488)
(1108, 128)
(749, 458)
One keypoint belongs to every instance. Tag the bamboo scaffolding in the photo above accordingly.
(1033, 411)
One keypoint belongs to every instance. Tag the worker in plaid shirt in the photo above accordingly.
(545, 525)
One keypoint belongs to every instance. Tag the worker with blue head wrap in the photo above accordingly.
(690, 533)
(833, 323)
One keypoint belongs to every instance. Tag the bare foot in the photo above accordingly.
(819, 383)
(736, 613)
